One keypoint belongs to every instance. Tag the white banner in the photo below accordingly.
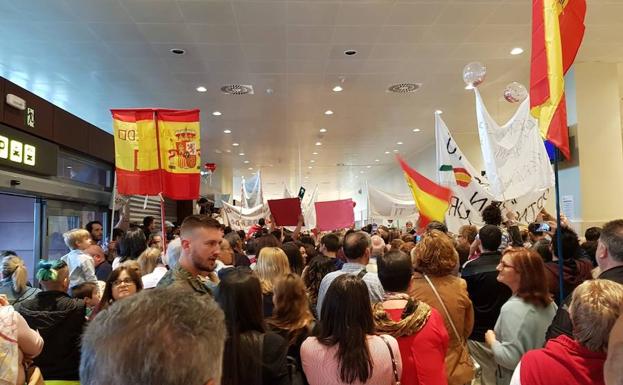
(252, 194)
(309, 210)
(385, 205)
(240, 218)
(514, 154)
(471, 192)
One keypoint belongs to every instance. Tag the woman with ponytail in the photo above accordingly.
(14, 282)
(59, 319)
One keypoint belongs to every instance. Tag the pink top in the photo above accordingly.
(321, 366)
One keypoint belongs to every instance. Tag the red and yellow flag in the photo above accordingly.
(431, 199)
(157, 151)
(557, 32)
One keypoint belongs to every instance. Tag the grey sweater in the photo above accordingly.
(520, 327)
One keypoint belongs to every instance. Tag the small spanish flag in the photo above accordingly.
(431, 199)
(463, 178)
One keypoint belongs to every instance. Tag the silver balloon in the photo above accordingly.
(474, 73)
(515, 92)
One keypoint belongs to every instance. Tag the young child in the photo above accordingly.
(81, 266)
(90, 293)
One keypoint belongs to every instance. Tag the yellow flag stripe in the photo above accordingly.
(428, 205)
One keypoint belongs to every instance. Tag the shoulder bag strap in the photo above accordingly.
(443, 305)
(391, 354)
(362, 273)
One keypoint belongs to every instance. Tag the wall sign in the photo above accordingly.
(30, 117)
(26, 152)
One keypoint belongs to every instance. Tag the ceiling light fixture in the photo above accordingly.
(377, 160)
(337, 89)
(246, 162)
(395, 150)
(350, 52)
(241, 154)
(469, 87)
(227, 131)
(312, 161)
(177, 51)
(516, 51)
(399, 143)
(318, 143)
(323, 130)
(438, 112)
(387, 152)
(309, 167)
(228, 150)
(250, 168)
(368, 166)
(235, 144)
(361, 172)
(201, 89)
(328, 112)
(416, 130)
(314, 153)
(217, 113)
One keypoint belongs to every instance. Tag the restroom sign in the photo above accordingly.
(17, 152)
(30, 117)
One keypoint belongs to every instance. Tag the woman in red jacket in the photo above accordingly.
(418, 328)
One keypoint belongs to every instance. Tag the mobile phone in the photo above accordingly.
(543, 227)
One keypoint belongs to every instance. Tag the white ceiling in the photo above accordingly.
(88, 56)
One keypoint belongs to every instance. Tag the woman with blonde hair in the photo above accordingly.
(434, 260)
(272, 264)
(149, 259)
(14, 282)
(292, 318)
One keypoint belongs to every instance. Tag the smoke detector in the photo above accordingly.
(237, 89)
(404, 88)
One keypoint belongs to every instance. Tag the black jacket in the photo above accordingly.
(60, 320)
(487, 294)
(561, 324)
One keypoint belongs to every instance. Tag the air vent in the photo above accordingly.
(237, 89)
(404, 88)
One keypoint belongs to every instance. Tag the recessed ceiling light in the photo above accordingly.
(361, 172)
(517, 51)
(387, 152)
(323, 130)
(227, 131)
(314, 153)
(312, 161)
(250, 168)
(368, 166)
(235, 144)
(241, 154)
(246, 162)
(350, 52)
(469, 87)
(228, 150)
(399, 143)
(337, 89)
(217, 113)
(416, 130)
(310, 167)
(395, 150)
(201, 89)
(318, 143)
(328, 112)
(438, 112)
(218, 151)
(177, 51)
(377, 160)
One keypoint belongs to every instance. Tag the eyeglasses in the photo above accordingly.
(127, 281)
(505, 265)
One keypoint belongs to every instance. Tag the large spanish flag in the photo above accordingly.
(431, 199)
(557, 32)
(157, 151)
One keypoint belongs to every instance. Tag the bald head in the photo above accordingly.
(97, 253)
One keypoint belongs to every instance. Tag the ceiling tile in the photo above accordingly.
(262, 34)
(213, 12)
(213, 34)
(308, 51)
(360, 13)
(265, 66)
(344, 66)
(103, 11)
(260, 13)
(520, 13)
(415, 14)
(261, 52)
(471, 13)
(305, 66)
(607, 13)
(392, 34)
(355, 34)
(165, 32)
(153, 11)
(515, 35)
(312, 13)
(393, 51)
(298, 34)
(363, 51)
(66, 32)
(117, 32)
(45, 10)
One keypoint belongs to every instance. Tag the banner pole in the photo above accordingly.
(558, 229)
(163, 226)
(114, 198)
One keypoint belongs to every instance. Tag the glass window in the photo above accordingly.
(78, 169)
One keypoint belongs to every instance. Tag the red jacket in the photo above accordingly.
(423, 354)
(562, 361)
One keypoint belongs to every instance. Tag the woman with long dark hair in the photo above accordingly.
(123, 282)
(313, 274)
(131, 246)
(252, 355)
(347, 350)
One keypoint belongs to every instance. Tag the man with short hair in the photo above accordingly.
(409, 228)
(125, 339)
(240, 259)
(329, 246)
(610, 261)
(357, 248)
(487, 295)
(200, 238)
(149, 225)
(96, 230)
(102, 267)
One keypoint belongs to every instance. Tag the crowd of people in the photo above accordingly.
(378, 306)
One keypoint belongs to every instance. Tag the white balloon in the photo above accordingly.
(515, 92)
(474, 73)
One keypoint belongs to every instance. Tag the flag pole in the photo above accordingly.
(558, 228)
(114, 198)
(160, 197)
(163, 226)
